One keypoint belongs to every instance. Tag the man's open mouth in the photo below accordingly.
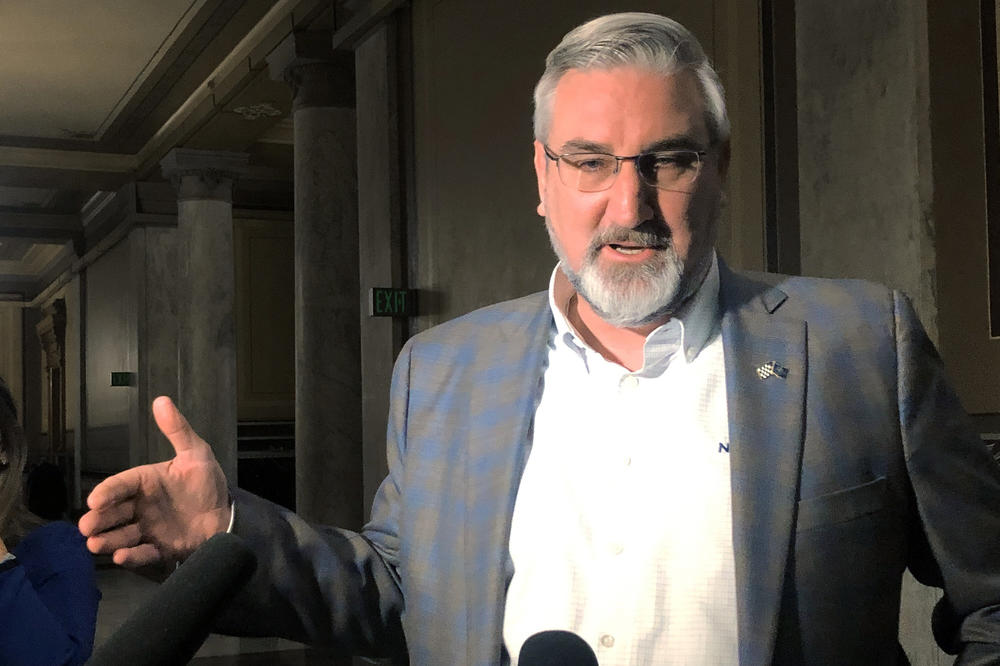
(632, 249)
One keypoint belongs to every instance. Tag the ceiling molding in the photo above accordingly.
(23, 166)
(178, 73)
(45, 158)
(206, 87)
(282, 132)
(368, 15)
(41, 227)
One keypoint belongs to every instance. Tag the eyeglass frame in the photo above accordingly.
(702, 154)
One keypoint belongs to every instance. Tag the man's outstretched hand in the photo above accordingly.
(160, 513)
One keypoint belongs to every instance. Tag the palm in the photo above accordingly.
(160, 512)
(179, 500)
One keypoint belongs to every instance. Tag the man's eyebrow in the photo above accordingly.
(684, 142)
(583, 146)
(680, 142)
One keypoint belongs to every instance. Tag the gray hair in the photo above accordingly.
(638, 39)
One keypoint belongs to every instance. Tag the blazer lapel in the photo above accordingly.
(497, 451)
(766, 431)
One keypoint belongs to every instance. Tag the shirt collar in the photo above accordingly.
(694, 324)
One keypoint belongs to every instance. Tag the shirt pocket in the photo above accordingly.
(842, 505)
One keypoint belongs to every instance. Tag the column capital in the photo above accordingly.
(204, 174)
(318, 75)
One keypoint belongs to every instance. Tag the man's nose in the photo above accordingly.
(629, 197)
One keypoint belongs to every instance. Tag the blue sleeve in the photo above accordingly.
(48, 601)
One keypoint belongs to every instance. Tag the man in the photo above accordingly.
(679, 463)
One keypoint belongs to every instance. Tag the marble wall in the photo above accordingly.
(155, 263)
(11, 361)
(109, 348)
(865, 182)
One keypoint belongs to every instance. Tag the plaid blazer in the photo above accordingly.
(851, 466)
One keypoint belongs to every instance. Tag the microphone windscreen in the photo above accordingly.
(556, 648)
(173, 623)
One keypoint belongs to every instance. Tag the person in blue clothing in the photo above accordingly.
(48, 591)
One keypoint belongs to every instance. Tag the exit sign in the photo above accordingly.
(123, 379)
(392, 302)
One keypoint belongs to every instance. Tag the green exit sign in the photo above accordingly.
(392, 302)
(123, 379)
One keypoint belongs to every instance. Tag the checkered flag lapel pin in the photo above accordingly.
(772, 369)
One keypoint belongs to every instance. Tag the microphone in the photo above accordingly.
(556, 648)
(170, 627)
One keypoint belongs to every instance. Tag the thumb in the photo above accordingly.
(175, 427)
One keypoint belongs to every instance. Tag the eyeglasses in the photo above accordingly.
(671, 170)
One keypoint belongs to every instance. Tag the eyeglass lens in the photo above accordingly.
(667, 170)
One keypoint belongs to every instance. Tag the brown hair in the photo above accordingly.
(15, 519)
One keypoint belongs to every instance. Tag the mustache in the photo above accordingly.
(651, 233)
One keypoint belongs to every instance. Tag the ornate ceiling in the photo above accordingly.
(95, 93)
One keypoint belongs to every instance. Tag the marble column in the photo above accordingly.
(328, 450)
(206, 304)
(382, 232)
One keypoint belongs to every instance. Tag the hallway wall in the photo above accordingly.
(109, 348)
(864, 146)
(11, 351)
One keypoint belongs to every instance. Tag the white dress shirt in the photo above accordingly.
(622, 525)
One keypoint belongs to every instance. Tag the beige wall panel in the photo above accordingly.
(109, 333)
(12, 350)
(737, 57)
(265, 297)
(959, 204)
(478, 239)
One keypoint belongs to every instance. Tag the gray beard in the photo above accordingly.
(632, 295)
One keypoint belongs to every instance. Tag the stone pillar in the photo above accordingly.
(206, 303)
(382, 232)
(52, 335)
(866, 182)
(328, 459)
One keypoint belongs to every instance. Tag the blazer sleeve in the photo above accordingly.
(956, 488)
(325, 585)
(320, 585)
(48, 601)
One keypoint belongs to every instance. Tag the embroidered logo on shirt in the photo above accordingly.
(723, 447)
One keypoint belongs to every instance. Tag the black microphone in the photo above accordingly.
(556, 648)
(171, 626)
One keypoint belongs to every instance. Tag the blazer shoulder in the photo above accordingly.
(808, 297)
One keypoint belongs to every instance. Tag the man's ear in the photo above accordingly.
(541, 173)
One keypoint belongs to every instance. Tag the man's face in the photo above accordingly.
(633, 251)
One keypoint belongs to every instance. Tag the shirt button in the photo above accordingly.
(607, 640)
(628, 383)
(617, 549)
(627, 460)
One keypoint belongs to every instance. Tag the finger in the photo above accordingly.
(174, 426)
(115, 488)
(95, 522)
(138, 556)
(125, 536)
